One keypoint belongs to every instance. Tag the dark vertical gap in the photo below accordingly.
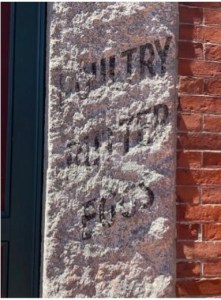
(4, 269)
(96, 142)
(126, 141)
(101, 210)
(94, 68)
(5, 44)
(77, 87)
(139, 136)
(129, 64)
(103, 69)
(87, 160)
(109, 145)
(112, 67)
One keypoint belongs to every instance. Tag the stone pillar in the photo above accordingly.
(109, 219)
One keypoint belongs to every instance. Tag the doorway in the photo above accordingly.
(23, 60)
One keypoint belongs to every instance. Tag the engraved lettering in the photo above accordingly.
(150, 196)
(94, 68)
(103, 69)
(128, 54)
(89, 214)
(149, 62)
(112, 68)
(69, 159)
(96, 142)
(109, 137)
(163, 52)
(139, 129)
(161, 113)
(126, 140)
(106, 215)
(128, 207)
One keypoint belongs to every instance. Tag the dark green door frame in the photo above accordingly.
(21, 220)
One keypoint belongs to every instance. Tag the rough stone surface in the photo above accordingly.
(109, 204)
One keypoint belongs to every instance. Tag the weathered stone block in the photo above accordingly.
(109, 211)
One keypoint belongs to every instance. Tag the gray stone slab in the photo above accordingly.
(109, 220)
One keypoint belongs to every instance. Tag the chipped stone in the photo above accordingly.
(109, 221)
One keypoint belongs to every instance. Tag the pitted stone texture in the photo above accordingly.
(109, 212)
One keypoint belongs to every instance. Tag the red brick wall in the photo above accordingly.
(199, 150)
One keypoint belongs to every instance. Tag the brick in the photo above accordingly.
(199, 92)
(185, 269)
(189, 159)
(212, 17)
(202, 4)
(192, 16)
(199, 213)
(190, 50)
(212, 123)
(211, 195)
(191, 85)
(190, 33)
(210, 34)
(198, 141)
(212, 159)
(187, 194)
(213, 52)
(187, 231)
(212, 231)
(189, 122)
(212, 268)
(199, 104)
(212, 87)
(198, 250)
(199, 34)
(194, 177)
(199, 68)
(196, 287)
